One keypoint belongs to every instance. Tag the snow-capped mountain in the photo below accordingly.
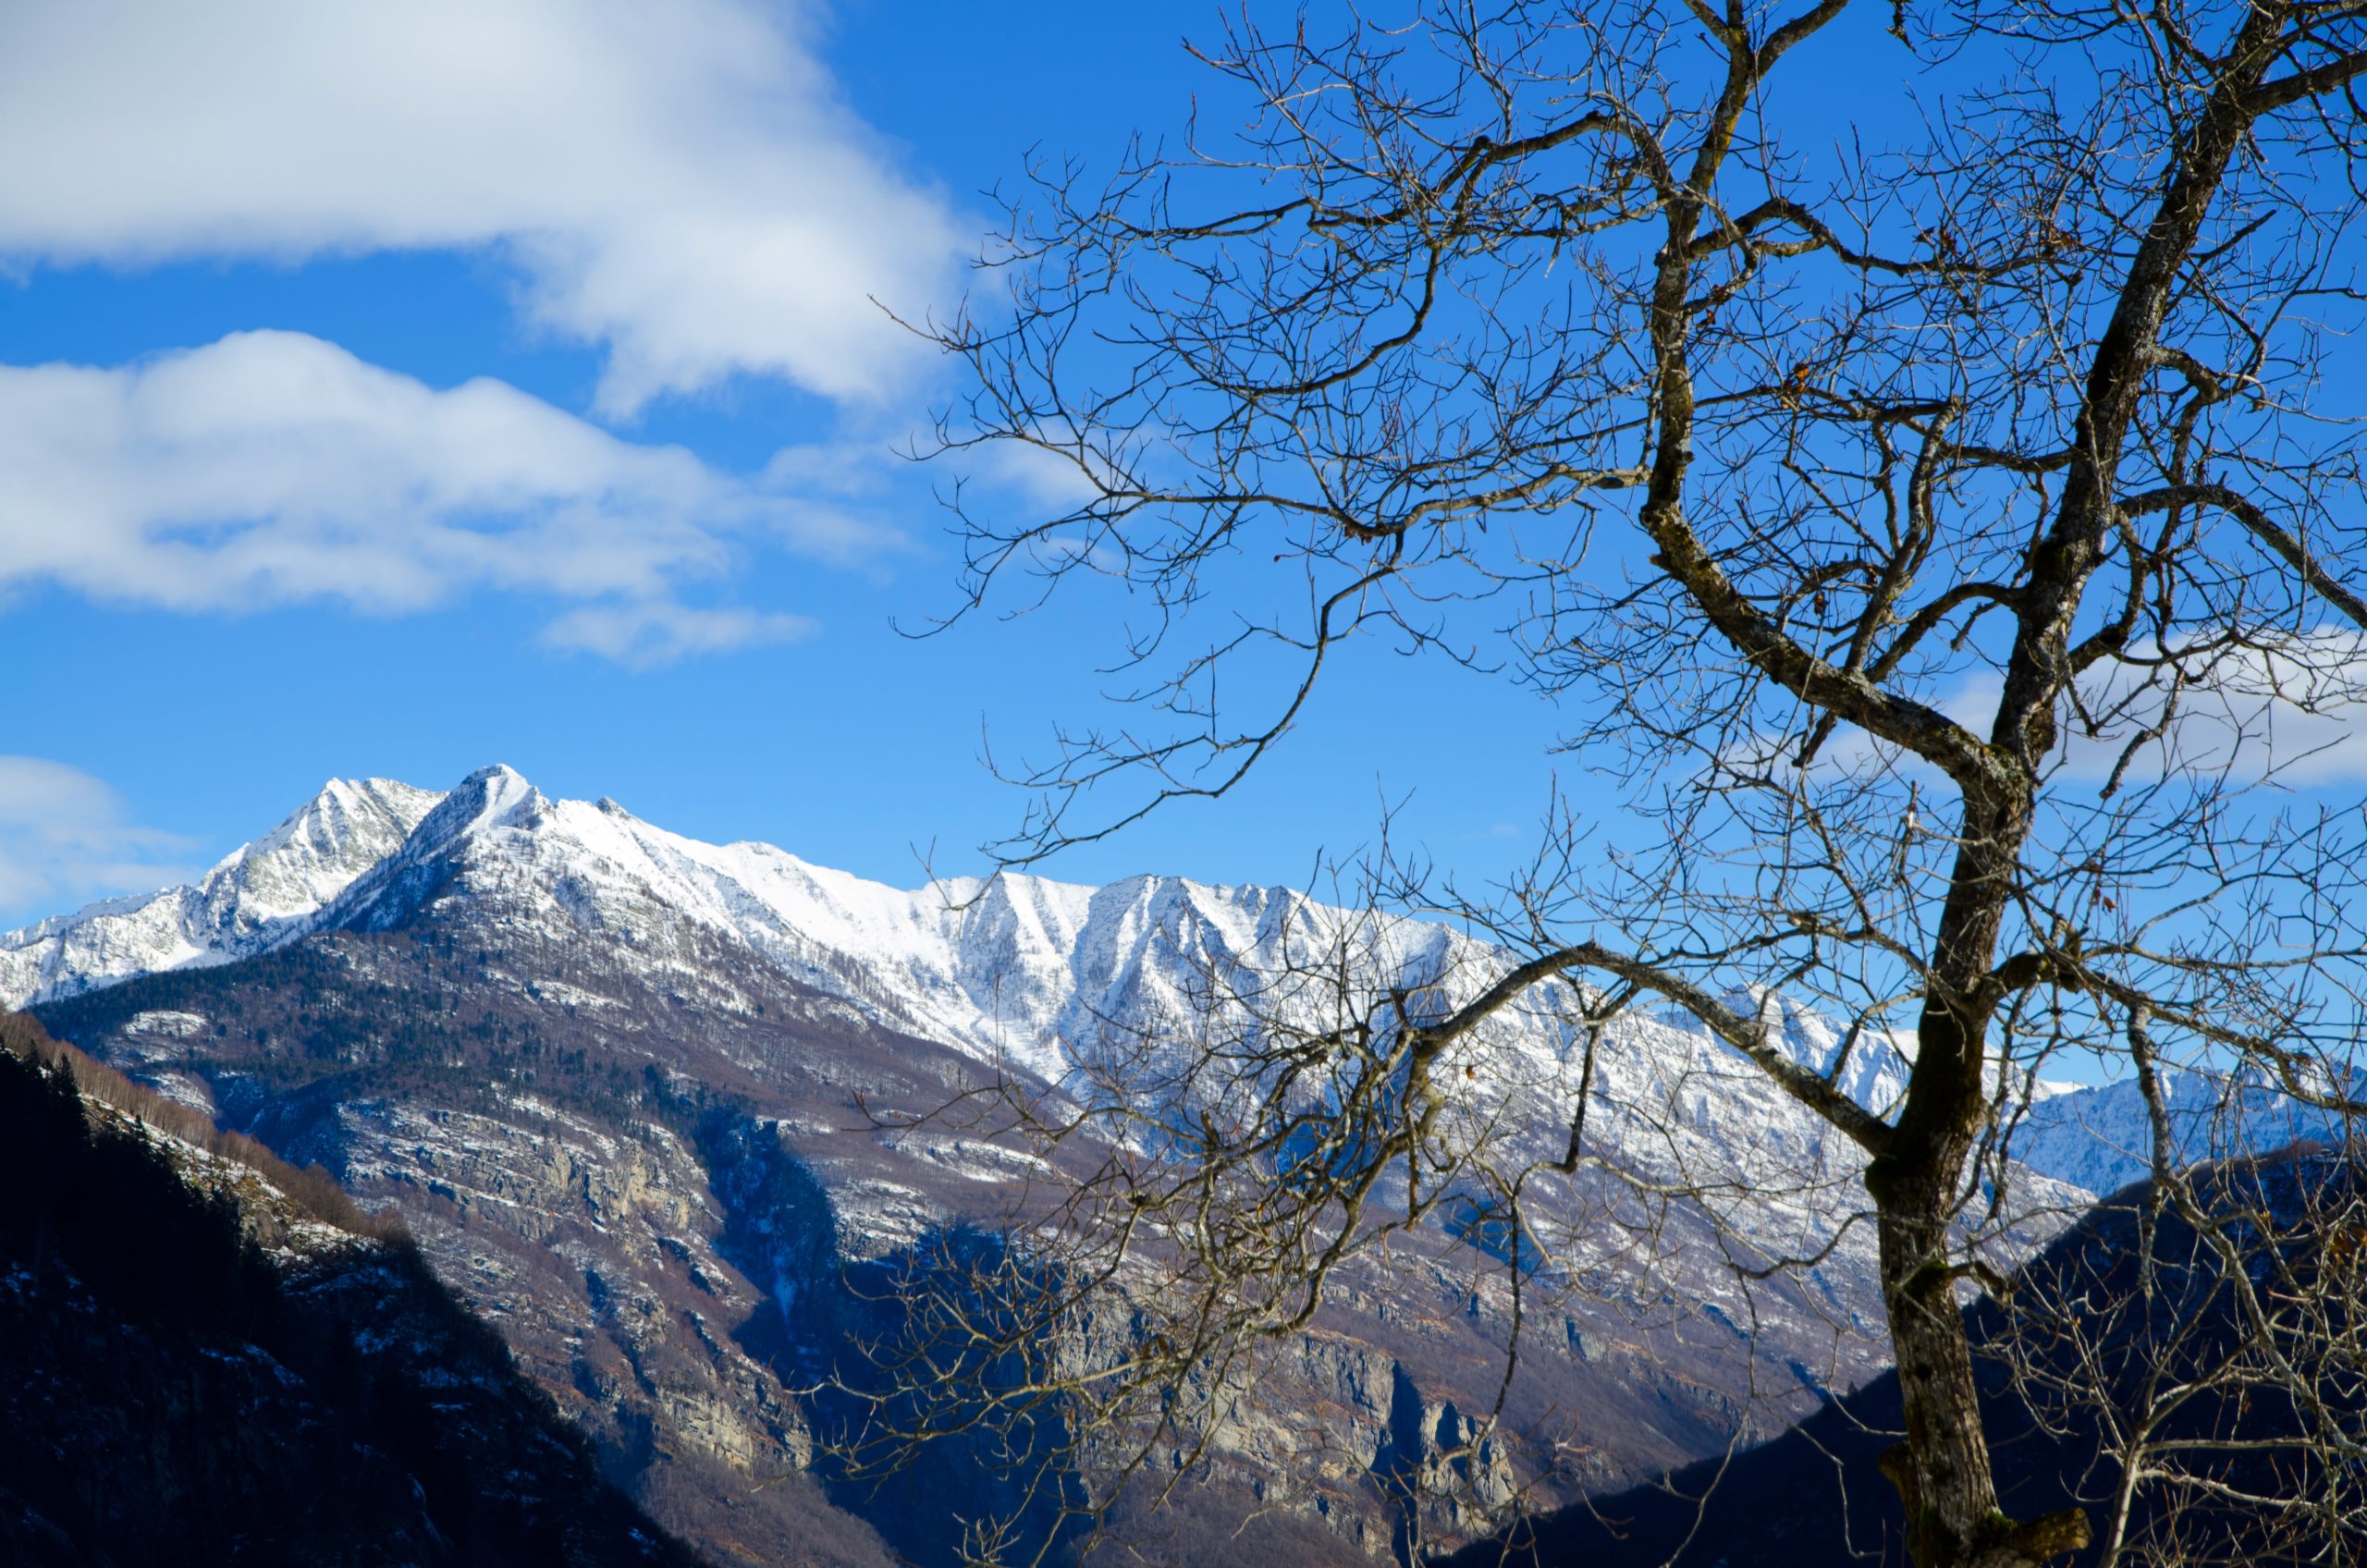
(1022, 969)
(1018, 970)
(519, 1019)
(1041, 976)
(999, 968)
(607, 1072)
(260, 895)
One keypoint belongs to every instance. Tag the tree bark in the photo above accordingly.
(1942, 1470)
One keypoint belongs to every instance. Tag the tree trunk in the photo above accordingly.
(1942, 1469)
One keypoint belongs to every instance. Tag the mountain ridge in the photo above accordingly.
(258, 896)
(1005, 966)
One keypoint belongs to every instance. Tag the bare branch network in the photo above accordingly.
(1934, 515)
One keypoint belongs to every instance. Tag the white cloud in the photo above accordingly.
(2295, 712)
(63, 836)
(272, 468)
(679, 182)
(655, 633)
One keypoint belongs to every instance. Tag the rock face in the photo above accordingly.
(611, 1076)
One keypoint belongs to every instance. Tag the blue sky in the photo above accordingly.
(395, 390)
(395, 396)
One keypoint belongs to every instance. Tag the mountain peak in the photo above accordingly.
(490, 797)
(336, 855)
(486, 801)
(343, 820)
(255, 896)
(500, 775)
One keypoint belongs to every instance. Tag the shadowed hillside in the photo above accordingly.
(213, 1361)
(2106, 1333)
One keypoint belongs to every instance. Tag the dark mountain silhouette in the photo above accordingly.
(201, 1365)
(2091, 1335)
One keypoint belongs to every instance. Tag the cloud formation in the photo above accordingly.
(273, 467)
(679, 183)
(63, 836)
(2293, 712)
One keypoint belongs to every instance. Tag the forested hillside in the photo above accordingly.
(213, 1358)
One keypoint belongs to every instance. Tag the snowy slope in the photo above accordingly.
(1022, 968)
(1057, 978)
(2103, 1138)
(1049, 976)
(260, 895)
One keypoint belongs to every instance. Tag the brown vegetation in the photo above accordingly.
(310, 1189)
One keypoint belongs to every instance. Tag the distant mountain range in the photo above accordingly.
(606, 1073)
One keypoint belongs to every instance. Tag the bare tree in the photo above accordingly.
(2212, 1371)
(1934, 523)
